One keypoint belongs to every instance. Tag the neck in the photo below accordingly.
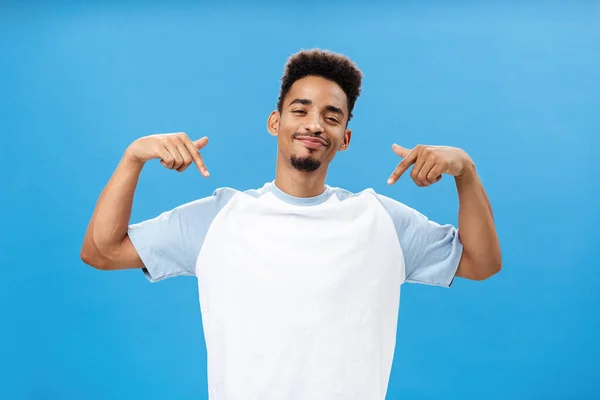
(297, 183)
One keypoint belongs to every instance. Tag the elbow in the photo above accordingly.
(491, 268)
(480, 269)
(90, 256)
(496, 263)
(497, 267)
(489, 271)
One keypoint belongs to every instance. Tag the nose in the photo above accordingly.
(313, 125)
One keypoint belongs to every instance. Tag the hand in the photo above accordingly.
(175, 151)
(430, 162)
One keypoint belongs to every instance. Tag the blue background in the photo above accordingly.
(516, 85)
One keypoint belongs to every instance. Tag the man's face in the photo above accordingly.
(311, 127)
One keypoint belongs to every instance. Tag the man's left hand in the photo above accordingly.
(430, 162)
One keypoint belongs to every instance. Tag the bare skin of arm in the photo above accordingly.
(481, 257)
(106, 245)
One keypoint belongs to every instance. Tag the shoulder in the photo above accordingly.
(402, 215)
(391, 205)
(223, 195)
(201, 208)
(396, 207)
(213, 202)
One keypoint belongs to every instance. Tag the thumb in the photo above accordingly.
(200, 143)
(401, 151)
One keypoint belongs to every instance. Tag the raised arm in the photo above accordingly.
(107, 245)
(481, 257)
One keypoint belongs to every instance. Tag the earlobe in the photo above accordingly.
(273, 123)
(346, 143)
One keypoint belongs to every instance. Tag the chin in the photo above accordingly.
(305, 163)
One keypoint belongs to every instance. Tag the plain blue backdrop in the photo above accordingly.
(516, 85)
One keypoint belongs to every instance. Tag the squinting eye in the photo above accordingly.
(298, 111)
(333, 120)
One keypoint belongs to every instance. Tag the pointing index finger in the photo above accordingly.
(197, 158)
(410, 159)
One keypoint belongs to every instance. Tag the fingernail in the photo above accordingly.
(206, 173)
(389, 181)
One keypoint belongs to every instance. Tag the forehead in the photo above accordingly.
(319, 90)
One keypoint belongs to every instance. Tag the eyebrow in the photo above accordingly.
(328, 107)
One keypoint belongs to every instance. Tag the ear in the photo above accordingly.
(346, 142)
(273, 123)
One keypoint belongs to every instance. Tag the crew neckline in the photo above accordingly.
(300, 201)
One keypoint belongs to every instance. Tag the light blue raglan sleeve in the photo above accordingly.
(169, 244)
(432, 251)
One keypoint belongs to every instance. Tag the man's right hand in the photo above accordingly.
(175, 151)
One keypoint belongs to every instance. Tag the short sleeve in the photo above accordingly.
(432, 251)
(169, 244)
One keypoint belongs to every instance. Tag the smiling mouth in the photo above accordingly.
(312, 142)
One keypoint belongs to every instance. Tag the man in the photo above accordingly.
(299, 282)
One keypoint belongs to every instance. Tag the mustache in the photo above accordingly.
(312, 136)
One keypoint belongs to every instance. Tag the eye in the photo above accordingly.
(332, 119)
(298, 111)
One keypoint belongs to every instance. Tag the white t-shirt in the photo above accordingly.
(299, 297)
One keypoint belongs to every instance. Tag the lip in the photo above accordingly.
(312, 142)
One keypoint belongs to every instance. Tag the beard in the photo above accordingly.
(305, 164)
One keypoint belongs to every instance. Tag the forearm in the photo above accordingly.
(108, 226)
(476, 227)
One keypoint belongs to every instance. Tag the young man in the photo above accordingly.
(299, 282)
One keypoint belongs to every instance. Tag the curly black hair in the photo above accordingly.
(326, 64)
